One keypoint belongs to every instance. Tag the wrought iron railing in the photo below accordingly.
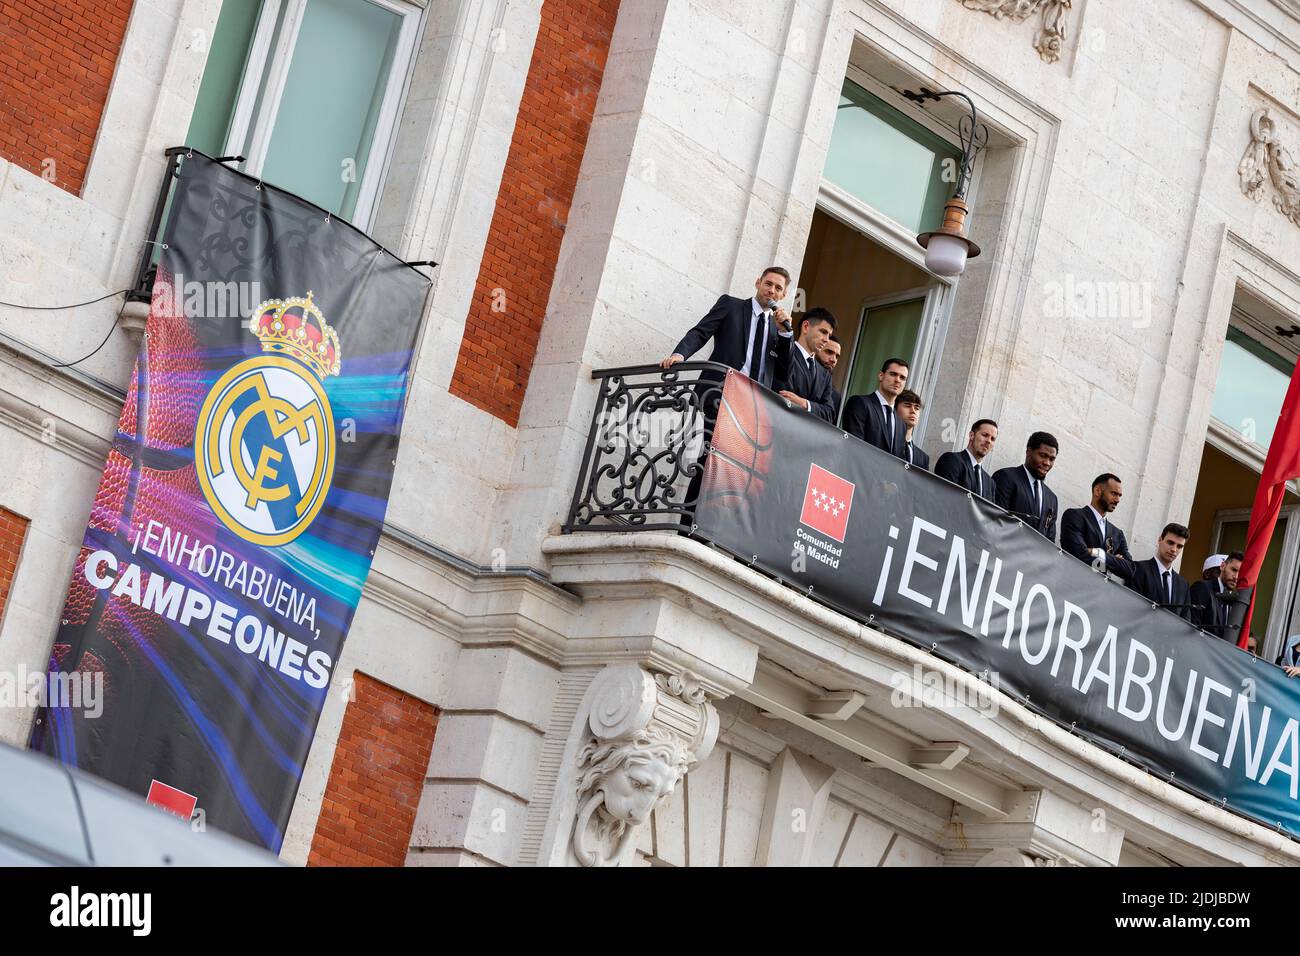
(646, 447)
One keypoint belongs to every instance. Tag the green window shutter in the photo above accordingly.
(890, 161)
(222, 75)
(1251, 387)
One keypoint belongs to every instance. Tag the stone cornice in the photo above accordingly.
(790, 628)
(467, 602)
(26, 372)
(1248, 17)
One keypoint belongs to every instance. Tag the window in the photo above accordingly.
(890, 161)
(308, 91)
(1251, 387)
(1275, 587)
(888, 330)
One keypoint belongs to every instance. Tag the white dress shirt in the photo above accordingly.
(1101, 521)
(1161, 571)
(979, 472)
(754, 321)
(1035, 489)
(755, 315)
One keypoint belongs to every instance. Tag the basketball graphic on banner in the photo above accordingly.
(742, 441)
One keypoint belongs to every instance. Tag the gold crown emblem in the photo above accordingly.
(297, 328)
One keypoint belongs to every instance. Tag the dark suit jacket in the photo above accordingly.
(957, 468)
(1079, 532)
(919, 458)
(838, 399)
(864, 418)
(1211, 613)
(727, 324)
(794, 375)
(1015, 495)
(1147, 581)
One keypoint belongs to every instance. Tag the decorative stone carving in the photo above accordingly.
(1265, 155)
(1050, 38)
(1007, 856)
(1056, 859)
(647, 732)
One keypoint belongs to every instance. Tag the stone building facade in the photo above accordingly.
(591, 174)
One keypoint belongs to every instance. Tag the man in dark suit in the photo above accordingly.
(1022, 490)
(800, 378)
(872, 417)
(1208, 595)
(963, 467)
(829, 356)
(1157, 581)
(1088, 534)
(909, 410)
(746, 333)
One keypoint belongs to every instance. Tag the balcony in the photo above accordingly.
(1015, 771)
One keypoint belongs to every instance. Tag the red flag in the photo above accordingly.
(1281, 465)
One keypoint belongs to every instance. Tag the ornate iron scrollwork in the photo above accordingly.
(647, 444)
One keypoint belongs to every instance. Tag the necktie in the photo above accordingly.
(1038, 499)
(979, 480)
(889, 427)
(760, 347)
(1169, 589)
(909, 453)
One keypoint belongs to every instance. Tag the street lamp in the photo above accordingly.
(947, 248)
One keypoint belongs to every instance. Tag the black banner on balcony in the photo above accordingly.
(240, 506)
(905, 551)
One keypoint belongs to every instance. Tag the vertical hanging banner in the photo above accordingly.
(240, 506)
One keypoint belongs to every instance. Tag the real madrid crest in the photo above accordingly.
(264, 446)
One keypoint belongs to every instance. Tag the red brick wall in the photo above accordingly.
(541, 173)
(12, 531)
(56, 62)
(375, 784)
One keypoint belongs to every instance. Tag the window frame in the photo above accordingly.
(857, 214)
(919, 293)
(254, 143)
(891, 228)
(1285, 588)
(1244, 324)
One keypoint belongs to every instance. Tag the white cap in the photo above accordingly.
(1214, 561)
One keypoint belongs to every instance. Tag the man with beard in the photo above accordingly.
(829, 356)
(1219, 580)
(1088, 534)
(1022, 490)
(962, 468)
